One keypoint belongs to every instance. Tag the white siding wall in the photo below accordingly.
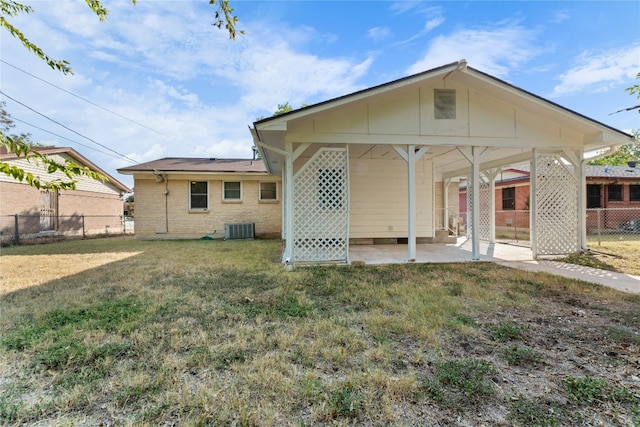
(379, 199)
(84, 183)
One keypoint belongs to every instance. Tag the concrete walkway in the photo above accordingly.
(613, 279)
(508, 255)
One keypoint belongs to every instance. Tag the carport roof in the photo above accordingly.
(271, 132)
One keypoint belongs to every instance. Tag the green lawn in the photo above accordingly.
(123, 332)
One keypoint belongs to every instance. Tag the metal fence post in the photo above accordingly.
(16, 230)
(598, 221)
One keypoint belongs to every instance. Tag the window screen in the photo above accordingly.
(198, 195)
(444, 103)
(615, 192)
(593, 196)
(232, 191)
(268, 191)
(509, 198)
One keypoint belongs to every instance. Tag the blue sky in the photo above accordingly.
(180, 87)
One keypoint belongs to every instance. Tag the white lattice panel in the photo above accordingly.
(321, 206)
(469, 207)
(557, 227)
(484, 218)
(484, 206)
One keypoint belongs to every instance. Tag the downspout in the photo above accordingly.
(166, 203)
(287, 189)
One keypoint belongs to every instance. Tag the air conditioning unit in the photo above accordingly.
(245, 230)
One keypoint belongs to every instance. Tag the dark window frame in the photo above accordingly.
(594, 198)
(508, 198)
(198, 200)
(634, 192)
(268, 192)
(617, 195)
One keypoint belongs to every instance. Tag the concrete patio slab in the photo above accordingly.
(509, 255)
(439, 253)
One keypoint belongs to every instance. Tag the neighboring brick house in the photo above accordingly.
(512, 198)
(200, 197)
(615, 189)
(608, 187)
(94, 207)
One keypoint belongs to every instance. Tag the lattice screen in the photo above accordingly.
(484, 219)
(470, 190)
(321, 207)
(557, 227)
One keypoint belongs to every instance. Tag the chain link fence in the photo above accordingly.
(26, 229)
(603, 224)
(606, 224)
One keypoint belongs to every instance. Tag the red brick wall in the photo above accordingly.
(102, 211)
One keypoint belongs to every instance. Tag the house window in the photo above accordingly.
(268, 191)
(231, 190)
(330, 188)
(593, 196)
(508, 198)
(634, 193)
(614, 192)
(444, 103)
(199, 195)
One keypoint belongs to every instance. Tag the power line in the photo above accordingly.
(96, 105)
(64, 137)
(68, 128)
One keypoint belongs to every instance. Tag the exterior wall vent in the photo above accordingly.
(239, 231)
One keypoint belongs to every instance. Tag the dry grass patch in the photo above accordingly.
(218, 333)
(611, 254)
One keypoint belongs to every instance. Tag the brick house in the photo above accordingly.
(94, 207)
(198, 197)
(611, 188)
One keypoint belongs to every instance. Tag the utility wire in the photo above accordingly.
(98, 106)
(68, 128)
(64, 137)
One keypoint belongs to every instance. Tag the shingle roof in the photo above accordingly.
(597, 171)
(612, 172)
(190, 164)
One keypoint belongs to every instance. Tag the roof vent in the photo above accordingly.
(632, 164)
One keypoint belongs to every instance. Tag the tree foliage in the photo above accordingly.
(623, 155)
(635, 89)
(628, 152)
(20, 145)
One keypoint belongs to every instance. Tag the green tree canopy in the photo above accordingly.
(628, 152)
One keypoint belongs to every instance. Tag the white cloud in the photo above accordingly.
(496, 51)
(433, 23)
(378, 34)
(559, 16)
(600, 71)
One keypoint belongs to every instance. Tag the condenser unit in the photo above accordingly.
(245, 230)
